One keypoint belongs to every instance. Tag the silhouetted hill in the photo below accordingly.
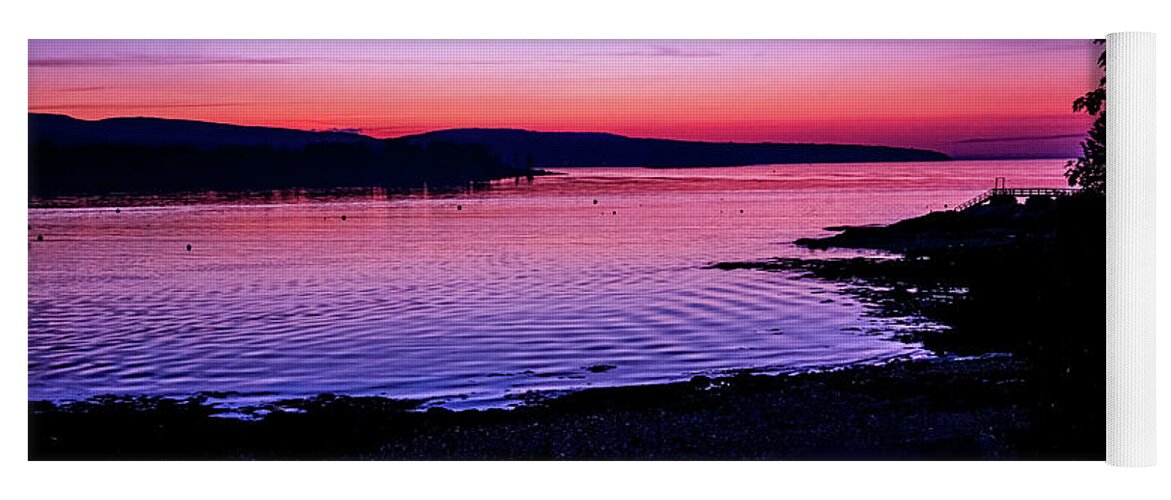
(158, 132)
(519, 148)
(145, 155)
(578, 149)
(69, 156)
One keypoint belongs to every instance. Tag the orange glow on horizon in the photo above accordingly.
(933, 94)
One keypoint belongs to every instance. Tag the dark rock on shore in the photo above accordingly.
(1026, 279)
(1000, 223)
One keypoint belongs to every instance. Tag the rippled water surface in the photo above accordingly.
(473, 298)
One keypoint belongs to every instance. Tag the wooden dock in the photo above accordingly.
(1014, 192)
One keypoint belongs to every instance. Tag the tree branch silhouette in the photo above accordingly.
(1089, 170)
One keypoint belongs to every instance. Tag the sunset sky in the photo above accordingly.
(970, 99)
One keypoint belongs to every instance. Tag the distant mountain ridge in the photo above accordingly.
(594, 149)
(69, 157)
(515, 147)
(64, 130)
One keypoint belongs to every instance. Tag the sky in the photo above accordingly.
(967, 98)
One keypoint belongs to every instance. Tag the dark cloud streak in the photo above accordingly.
(655, 52)
(1019, 138)
(86, 88)
(57, 107)
(77, 62)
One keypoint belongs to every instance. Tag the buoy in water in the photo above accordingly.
(459, 207)
(343, 217)
(188, 247)
(40, 237)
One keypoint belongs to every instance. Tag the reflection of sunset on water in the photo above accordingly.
(520, 289)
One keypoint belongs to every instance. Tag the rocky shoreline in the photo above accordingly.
(938, 409)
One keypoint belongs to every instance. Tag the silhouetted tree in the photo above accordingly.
(1089, 171)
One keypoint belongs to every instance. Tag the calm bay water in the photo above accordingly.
(473, 298)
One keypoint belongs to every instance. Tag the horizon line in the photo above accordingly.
(359, 132)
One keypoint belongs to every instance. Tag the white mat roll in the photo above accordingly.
(1130, 249)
